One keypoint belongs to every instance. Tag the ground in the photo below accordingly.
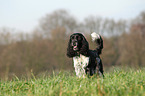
(119, 82)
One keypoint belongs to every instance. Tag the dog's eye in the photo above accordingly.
(76, 37)
(79, 38)
(72, 37)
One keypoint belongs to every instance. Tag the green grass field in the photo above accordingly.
(116, 83)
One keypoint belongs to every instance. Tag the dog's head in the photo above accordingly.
(76, 41)
(77, 45)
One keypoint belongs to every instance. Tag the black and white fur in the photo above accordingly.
(85, 61)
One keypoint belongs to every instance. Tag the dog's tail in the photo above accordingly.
(99, 41)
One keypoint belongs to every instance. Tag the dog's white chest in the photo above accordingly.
(80, 63)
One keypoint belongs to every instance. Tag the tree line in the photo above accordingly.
(44, 49)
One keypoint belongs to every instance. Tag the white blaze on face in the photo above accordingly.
(80, 63)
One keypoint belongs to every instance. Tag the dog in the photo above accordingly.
(86, 61)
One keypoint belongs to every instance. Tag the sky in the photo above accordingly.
(24, 15)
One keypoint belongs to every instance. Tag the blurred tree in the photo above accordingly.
(106, 27)
(58, 33)
(5, 36)
(114, 28)
(139, 19)
(132, 46)
(57, 19)
(93, 24)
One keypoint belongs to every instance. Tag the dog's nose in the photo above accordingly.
(75, 43)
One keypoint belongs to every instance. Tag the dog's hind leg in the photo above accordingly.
(99, 67)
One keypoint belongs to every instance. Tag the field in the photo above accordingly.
(119, 82)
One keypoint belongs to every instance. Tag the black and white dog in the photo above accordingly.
(85, 61)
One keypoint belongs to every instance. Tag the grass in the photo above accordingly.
(116, 83)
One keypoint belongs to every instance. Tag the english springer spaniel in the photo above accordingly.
(86, 61)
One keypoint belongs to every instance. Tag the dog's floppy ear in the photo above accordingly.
(85, 46)
(70, 51)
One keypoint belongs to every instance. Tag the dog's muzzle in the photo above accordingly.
(75, 46)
